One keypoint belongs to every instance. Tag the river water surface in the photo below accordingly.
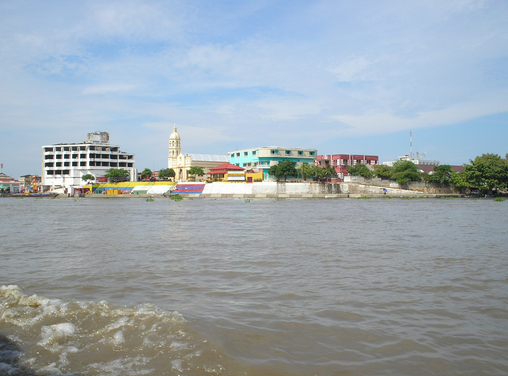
(259, 287)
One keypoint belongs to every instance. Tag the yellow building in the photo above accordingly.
(181, 163)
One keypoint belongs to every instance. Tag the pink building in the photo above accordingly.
(340, 161)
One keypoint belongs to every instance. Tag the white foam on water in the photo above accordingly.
(62, 336)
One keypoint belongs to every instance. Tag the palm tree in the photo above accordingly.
(305, 170)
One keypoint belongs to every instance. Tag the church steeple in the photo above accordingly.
(175, 146)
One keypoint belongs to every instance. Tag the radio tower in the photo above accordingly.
(411, 144)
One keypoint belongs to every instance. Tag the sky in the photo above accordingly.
(338, 76)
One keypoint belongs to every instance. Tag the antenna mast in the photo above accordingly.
(411, 144)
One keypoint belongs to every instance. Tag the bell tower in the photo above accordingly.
(175, 148)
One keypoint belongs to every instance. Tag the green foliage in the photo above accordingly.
(283, 169)
(323, 172)
(117, 174)
(383, 171)
(487, 172)
(404, 172)
(360, 170)
(460, 182)
(146, 174)
(149, 199)
(176, 197)
(500, 199)
(88, 177)
(166, 173)
(305, 170)
(196, 170)
(441, 175)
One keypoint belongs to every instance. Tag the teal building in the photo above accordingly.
(261, 159)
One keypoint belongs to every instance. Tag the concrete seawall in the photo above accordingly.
(280, 190)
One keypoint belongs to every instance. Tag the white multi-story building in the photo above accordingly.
(63, 165)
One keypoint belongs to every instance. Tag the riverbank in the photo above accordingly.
(279, 196)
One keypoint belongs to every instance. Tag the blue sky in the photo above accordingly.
(338, 76)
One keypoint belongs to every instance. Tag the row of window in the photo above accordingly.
(84, 156)
(80, 148)
(299, 153)
(90, 164)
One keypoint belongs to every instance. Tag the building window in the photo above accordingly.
(58, 156)
(67, 164)
(300, 153)
(48, 164)
(82, 156)
(288, 152)
(254, 152)
(245, 153)
(82, 148)
(274, 152)
(50, 172)
(74, 148)
(65, 172)
(58, 164)
(48, 149)
(82, 163)
(58, 149)
(74, 164)
(48, 157)
(237, 154)
(66, 148)
(312, 153)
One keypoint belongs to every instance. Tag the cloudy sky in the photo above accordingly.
(339, 76)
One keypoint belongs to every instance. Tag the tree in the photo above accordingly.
(117, 174)
(88, 178)
(196, 170)
(305, 170)
(460, 182)
(360, 170)
(487, 172)
(318, 172)
(285, 168)
(404, 172)
(166, 173)
(146, 174)
(441, 175)
(383, 171)
(330, 172)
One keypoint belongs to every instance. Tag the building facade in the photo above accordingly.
(340, 161)
(181, 163)
(261, 159)
(63, 165)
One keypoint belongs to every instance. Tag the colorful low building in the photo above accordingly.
(226, 172)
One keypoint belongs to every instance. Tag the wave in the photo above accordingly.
(44, 336)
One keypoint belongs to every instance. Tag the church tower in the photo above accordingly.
(175, 148)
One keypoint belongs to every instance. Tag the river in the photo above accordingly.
(253, 287)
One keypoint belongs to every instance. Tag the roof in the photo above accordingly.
(430, 168)
(225, 168)
(209, 158)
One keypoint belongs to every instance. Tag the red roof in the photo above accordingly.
(224, 168)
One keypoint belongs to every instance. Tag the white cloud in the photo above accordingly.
(103, 89)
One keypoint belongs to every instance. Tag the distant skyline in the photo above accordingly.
(333, 75)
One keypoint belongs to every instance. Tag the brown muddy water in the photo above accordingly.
(259, 287)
